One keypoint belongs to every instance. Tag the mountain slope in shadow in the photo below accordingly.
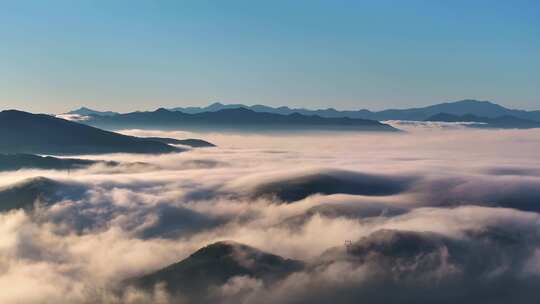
(23, 132)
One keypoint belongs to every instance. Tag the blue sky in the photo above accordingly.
(136, 55)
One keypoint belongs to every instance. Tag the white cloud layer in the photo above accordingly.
(463, 192)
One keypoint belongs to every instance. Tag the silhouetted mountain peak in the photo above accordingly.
(85, 111)
(216, 263)
(37, 181)
(223, 249)
(216, 104)
(162, 110)
(249, 259)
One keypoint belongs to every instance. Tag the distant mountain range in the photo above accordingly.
(206, 120)
(84, 111)
(23, 132)
(237, 119)
(463, 107)
(505, 121)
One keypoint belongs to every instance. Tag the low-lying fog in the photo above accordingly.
(297, 196)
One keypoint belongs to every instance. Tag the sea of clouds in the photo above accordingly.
(444, 214)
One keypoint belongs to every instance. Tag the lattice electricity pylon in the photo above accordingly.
(348, 245)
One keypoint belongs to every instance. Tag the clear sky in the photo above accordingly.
(128, 55)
